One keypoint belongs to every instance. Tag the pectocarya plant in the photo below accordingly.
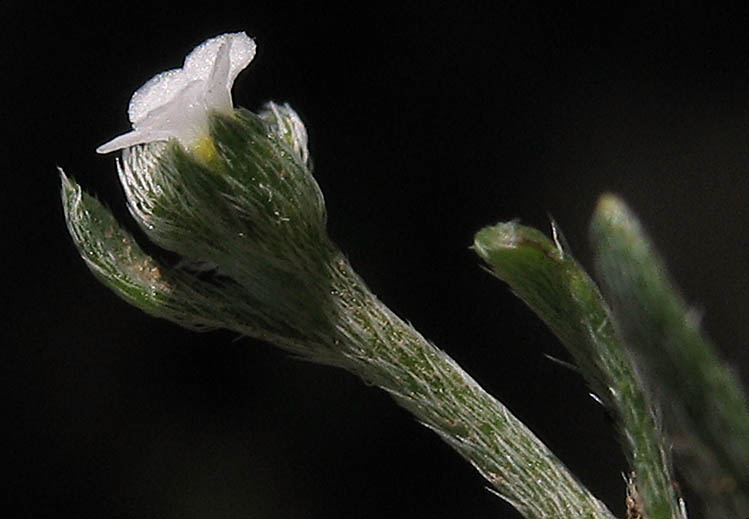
(231, 193)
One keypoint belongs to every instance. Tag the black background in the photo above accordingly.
(426, 123)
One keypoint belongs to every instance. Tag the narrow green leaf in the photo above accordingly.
(703, 404)
(549, 280)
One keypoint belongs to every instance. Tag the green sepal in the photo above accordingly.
(111, 253)
(248, 208)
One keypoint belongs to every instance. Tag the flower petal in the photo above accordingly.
(176, 103)
(199, 63)
(157, 91)
(132, 138)
(185, 116)
(218, 90)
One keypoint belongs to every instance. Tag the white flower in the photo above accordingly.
(177, 103)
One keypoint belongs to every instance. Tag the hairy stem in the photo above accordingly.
(382, 349)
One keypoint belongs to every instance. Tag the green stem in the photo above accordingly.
(382, 349)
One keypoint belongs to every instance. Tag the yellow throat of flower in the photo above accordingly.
(204, 150)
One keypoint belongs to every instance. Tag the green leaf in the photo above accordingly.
(549, 280)
(704, 407)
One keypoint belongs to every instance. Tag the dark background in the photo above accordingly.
(426, 123)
